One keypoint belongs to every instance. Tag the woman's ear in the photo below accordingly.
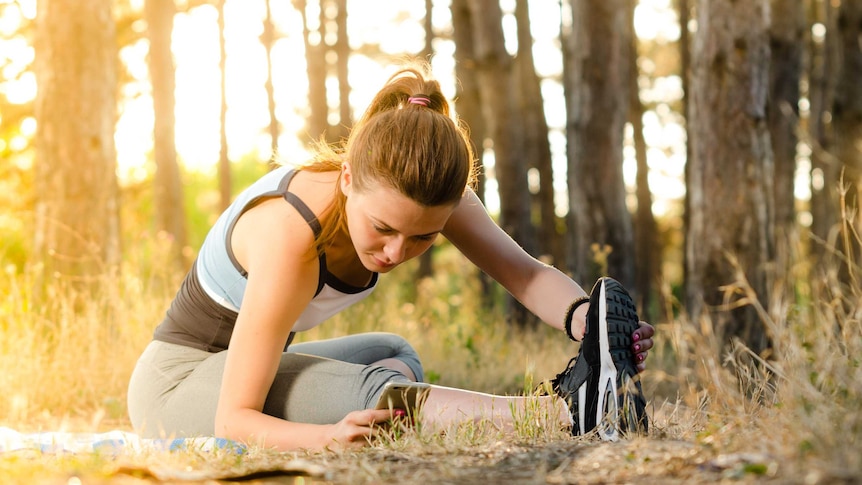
(346, 179)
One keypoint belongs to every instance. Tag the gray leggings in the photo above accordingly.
(174, 389)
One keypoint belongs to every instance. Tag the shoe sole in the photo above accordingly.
(620, 407)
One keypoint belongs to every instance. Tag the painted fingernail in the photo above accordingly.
(636, 337)
(637, 347)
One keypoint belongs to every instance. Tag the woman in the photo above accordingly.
(299, 245)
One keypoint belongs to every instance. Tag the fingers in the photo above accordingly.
(641, 361)
(642, 343)
(644, 331)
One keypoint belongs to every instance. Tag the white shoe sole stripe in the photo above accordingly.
(607, 377)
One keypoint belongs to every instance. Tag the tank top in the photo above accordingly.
(205, 309)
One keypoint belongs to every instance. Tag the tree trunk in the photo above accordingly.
(342, 56)
(825, 169)
(597, 70)
(496, 77)
(268, 40)
(685, 75)
(537, 146)
(224, 161)
(731, 170)
(315, 59)
(426, 260)
(468, 103)
(77, 215)
(786, 40)
(646, 249)
(170, 216)
(847, 126)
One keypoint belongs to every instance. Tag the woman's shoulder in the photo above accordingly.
(315, 189)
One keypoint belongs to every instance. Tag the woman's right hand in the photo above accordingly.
(357, 428)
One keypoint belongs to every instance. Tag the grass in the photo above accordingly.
(794, 417)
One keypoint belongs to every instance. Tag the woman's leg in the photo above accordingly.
(174, 390)
(372, 348)
(446, 406)
(159, 372)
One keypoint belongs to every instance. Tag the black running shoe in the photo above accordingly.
(601, 384)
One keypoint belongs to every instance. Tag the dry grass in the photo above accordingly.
(796, 417)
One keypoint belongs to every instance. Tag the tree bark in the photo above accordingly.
(496, 78)
(597, 70)
(786, 42)
(468, 105)
(170, 216)
(426, 259)
(77, 214)
(847, 126)
(315, 59)
(731, 171)
(342, 56)
(645, 232)
(685, 75)
(825, 168)
(224, 161)
(268, 40)
(537, 146)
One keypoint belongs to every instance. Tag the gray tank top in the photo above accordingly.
(205, 308)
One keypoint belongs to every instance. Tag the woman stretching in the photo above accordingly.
(301, 244)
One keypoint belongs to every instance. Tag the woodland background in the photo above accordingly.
(741, 120)
(706, 153)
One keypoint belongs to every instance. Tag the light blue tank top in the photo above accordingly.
(224, 280)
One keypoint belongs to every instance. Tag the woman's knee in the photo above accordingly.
(404, 352)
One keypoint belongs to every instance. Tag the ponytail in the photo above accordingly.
(406, 140)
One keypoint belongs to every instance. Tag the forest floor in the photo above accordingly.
(563, 460)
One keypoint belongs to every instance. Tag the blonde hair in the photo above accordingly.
(408, 140)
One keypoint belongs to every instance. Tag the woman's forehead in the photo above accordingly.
(388, 206)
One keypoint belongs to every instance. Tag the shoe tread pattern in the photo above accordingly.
(623, 320)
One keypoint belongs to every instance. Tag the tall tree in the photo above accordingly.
(170, 216)
(684, 9)
(645, 232)
(267, 38)
(341, 48)
(786, 38)
(468, 102)
(825, 169)
(77, 216)
(315, 60)
(597, 81)
(223, 160)
(847, 126)
(495, 77)
(468, 98)
(537, 146)
(426, 260)
(322, 57)
(730, 185)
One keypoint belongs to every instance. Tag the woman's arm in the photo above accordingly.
(275, 245)
(543, 289)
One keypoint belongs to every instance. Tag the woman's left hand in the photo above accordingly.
(641, 343)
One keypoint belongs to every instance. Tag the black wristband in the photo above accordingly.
(570, 313)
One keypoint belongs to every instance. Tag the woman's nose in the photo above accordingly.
(395, 250)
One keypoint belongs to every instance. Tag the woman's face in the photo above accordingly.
(386, 227)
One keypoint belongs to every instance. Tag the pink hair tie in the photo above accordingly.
(423, 100)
